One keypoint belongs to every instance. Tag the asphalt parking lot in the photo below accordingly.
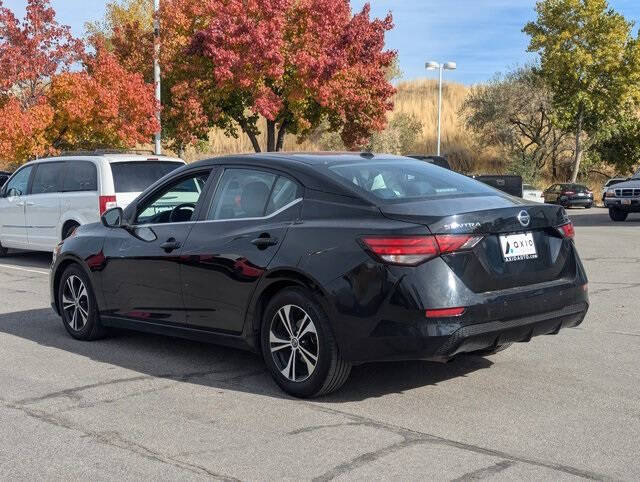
(138, 406)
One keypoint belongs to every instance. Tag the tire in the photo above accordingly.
(81, 320)
(588, 206)
(294, 354)
(3, 251)
(68, 231)
(490, 351)
(617, 215)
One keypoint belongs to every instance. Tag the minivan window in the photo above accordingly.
(398, 180)
(136, 176)
(242, 193)
(17, 186)
(47, 178)
(80, 176)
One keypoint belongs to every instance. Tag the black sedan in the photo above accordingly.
(323, 261)
(569, 195)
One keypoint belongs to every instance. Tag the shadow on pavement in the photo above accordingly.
(599, 217)
(221, 367)
(27, 259)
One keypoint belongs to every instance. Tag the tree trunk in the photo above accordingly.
(281, 133)
(250, 134)
(271, 135)
(579, 148)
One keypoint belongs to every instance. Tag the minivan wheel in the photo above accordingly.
(617, 215)
(78, 307)
(298, 345)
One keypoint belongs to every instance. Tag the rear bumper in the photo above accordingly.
(492, 334)
(425, 340)
(578, 201)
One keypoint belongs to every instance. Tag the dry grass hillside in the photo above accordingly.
(418, 98)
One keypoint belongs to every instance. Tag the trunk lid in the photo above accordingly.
(484, 268)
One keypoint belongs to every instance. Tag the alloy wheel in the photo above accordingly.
(75, 303)
(293, 341)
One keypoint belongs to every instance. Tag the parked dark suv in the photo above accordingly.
(569, 195)
(323, 261)
(3, 177)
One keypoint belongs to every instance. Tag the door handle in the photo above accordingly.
(170, 245)
(264, 242)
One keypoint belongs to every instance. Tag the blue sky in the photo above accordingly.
(483, 36)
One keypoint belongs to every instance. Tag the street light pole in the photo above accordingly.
(156, 73)
(440, 67)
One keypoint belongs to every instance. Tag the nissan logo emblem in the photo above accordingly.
(524, 218)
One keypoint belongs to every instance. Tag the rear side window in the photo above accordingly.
(47, 178)
(284, 192)
(401, 180)
(136, 176)
(80, 176)
(242, 193)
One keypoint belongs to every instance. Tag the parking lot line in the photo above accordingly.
(19, 268)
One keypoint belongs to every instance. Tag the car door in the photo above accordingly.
(228, 251)
(141, 277)
(13, 232)
(42, 206)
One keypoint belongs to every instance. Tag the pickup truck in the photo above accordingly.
(623, 198)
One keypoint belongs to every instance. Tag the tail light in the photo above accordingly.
(567, 230)
(106, 203)
(414, 250)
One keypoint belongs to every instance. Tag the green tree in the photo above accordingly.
(515, 112)
(622, 147)
(591, 62)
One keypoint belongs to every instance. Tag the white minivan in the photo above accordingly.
(45, 200)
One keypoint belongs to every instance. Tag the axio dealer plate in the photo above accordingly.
(518, 247)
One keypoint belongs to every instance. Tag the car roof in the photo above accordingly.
(110, 158)
(304, 166)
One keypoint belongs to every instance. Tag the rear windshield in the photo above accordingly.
(575, 187)
(138, 175)
(398, 180)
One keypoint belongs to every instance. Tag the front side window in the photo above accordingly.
(175, 203)
(80, 176)
(47, 178)
(17, 186)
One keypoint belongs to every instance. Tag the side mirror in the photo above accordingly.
(113, 218)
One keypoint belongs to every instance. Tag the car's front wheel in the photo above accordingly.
(299, 347)
(78, 307)
(618, 215)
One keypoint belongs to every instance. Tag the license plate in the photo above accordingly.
(626, 202)
(518, 247)
(581, 194)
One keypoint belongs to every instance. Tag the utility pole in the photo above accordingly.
(440, 66)
(156, 73)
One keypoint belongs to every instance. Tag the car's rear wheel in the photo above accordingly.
(299, 347)
(618, 215)
(78, 306)
(3, 251)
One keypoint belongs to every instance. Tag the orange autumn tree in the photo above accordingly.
(298, 64)
(54, 96)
